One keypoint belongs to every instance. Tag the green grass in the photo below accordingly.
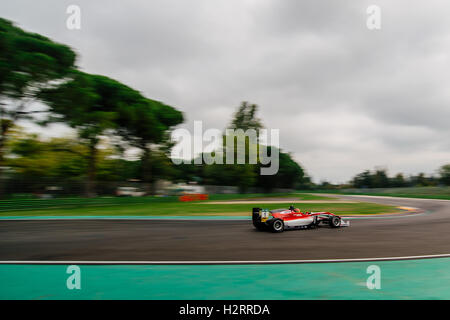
(299, 196)
(413, 192)
(143, 206)
(65, 203)
(196, 208)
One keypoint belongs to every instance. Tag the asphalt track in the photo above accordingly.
(213, 240)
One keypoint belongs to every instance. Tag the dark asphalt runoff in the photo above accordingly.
(206, 240)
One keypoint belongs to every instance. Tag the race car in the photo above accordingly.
(279, 220)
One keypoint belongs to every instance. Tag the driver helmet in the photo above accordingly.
(296, 210)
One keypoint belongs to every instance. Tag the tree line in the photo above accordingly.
(379, 178)
(290, 174)
(108, 116)
(33, 68)
(38, 163)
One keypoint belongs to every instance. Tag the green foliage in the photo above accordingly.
(290, 175)
(89, 103)
(33, 66)
(245, 117)
(398, 181)
(96, 105)
(36, 163)
(244, 176)
(60, 161)
(146, 121)
(29, 61)
(444, 173)
(380, 179)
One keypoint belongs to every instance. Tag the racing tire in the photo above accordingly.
(277, 226)
(335, 222)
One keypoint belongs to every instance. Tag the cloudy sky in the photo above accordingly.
(344, 97)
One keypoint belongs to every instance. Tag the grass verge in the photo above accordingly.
(197, 208)
(66, 203)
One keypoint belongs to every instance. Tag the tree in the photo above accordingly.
(245, 117)
(398, 181)
(380, 179)
(306, 183)
(244, 175)
(363, 180)
(290, 174)
(367, 179)
(444, 174)
(326, 185)
(29, 62)
(35, 163)
(247, 175)
(90, 104)
(144, 125)
(423, 181)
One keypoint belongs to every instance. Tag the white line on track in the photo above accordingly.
(47, 262)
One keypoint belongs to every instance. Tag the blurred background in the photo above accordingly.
(68, 132)
(91, 93)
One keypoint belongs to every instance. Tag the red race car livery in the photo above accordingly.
(279, 220)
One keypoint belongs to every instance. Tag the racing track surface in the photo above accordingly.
(206, 240)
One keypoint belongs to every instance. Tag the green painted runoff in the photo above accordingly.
(408, 279)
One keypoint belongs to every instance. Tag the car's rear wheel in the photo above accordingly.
(335, 222)
(277, 225)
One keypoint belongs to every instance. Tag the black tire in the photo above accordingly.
(277, 225)
(335, 222)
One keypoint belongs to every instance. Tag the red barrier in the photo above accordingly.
(193, 197)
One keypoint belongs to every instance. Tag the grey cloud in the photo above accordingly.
(345, 98)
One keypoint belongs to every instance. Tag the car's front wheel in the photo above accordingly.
(335, 222)
(277, 225)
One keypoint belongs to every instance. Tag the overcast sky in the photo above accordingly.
(344, 97)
